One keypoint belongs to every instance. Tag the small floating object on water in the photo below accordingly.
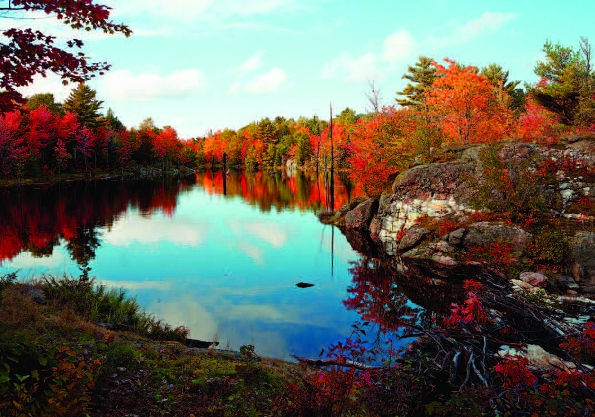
(304, 285)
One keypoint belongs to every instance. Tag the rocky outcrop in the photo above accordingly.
(396, 221)
(484, 234)
(433, 190)
(583, 259)
(359, 218)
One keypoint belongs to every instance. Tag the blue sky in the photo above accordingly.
(209, 64)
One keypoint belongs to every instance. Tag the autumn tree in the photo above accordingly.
(567, 83)
(379, 148)
(167, 146)
(82, 101)
(66, 129)
(47, 100)
(13, 147)
(421, 76)
(462, 101)
(41, 132)
(26, 52)
(85, 139)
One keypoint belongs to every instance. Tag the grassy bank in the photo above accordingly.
(61, 355)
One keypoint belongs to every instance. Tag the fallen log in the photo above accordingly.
(331, 362)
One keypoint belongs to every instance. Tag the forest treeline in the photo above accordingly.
(444, 104)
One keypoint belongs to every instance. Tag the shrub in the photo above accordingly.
(7, 280)
(549, 246)
(507, 186)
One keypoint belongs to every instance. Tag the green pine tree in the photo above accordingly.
(83, 103)
(422, 76)
(505, 91)
(568, 83)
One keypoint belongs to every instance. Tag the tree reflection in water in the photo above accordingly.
(36, 219)
(397, 301)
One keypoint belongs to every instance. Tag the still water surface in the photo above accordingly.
(220, 255)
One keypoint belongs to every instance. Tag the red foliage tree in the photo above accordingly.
(13, 147)
(84, 143)
(167, 145)
(379, 148)
(538, 124)
(66, 131)
(27, 52)
(41, 131)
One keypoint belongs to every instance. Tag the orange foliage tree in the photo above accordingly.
(463, 102)
(379, 148)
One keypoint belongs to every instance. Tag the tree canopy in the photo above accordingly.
(567, 83)
(26, 52)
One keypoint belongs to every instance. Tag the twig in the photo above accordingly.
(468, 371)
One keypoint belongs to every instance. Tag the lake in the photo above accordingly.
(220, 254)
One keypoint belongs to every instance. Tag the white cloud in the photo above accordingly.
(252, 252)
(147, 85)
(134, 229)
(396, 49)
(399, 48)
(354, 69)
(49, 84)
(255, 62)
(266, 83)
(274, 234)
(486, 23)
(270, 82)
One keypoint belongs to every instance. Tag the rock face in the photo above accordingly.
(534, 279)
(359, 218)
(583, 255)
(484, 234)
(432, 190)
(440, 190)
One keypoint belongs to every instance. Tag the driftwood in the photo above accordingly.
(194, 343)
(331, 362)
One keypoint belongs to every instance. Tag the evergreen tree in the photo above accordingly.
(304, 148)
(266, 131)
(83, 103)
(505, 91)
(113, 122)
(566, 83)
(422, 76)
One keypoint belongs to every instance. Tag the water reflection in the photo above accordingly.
(225, 265)
(36, 219)
(221, 254)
